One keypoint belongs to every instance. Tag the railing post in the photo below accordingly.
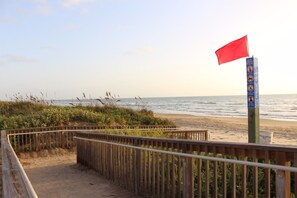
(206, 135)
(137, 168)
(188, 188)
(282, 179)
(188, 191)
(186, 135)
(280, 183)
(37, 142)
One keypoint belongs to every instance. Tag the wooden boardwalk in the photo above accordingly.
(60, 176)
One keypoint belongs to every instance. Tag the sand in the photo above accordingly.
(60, 176)
(231, 129)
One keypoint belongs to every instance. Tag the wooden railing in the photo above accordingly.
(28, 140)
(179, 173)
(39, 129)
(45, 140)
(153, 173)
(15, 182)
(200, 135)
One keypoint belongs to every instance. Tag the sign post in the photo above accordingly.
(252, 99)
(239, 49)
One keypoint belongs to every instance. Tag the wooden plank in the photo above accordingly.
(25, 142)
(199, 185)
(215, 175)
(126, 179)
(137, 168)
(234, 178)
(267, 176)
(295, 175)
(206, 135)
(56, 140)
(207, 179)
(130, 169)
(40, 141)
(167, 173)
(243, 180)
(149, 173)
(253, 125)
(49, 140)
(188, 176)
(30, 142)
(173, 163)
(163, 174)
(283, 178)
(207, 173)
(145, 154)
(255, 176)
(158, 175)
(179, 174)
(225, 179)
(119, 175)
(153, 173)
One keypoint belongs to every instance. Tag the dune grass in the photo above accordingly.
(25, 114)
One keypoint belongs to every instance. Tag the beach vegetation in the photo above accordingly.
(27, 114)
(156, 133)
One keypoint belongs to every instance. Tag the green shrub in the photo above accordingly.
(22, 114)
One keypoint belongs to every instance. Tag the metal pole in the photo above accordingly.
(253, 99)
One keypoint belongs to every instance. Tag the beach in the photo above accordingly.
(233, 129)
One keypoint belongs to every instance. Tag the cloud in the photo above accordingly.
(69, 27)
(142, 51)
(72, 3)
(8, 20)
(85, 11)
(40, 1)
(10, 58)
(44, 9)
(46, 47)
(24, 12)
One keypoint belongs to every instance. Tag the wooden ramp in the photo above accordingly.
(60, 176)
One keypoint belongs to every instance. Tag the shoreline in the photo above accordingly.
(234, 129)
(218, 116)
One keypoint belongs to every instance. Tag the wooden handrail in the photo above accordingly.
(27, 141)
(151, 172)
(38, 129)
(14, 179)
(274, 154)
(225, 148)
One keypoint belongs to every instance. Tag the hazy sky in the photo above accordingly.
(147, 48)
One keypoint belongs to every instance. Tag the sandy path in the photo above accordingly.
(60, 176)
(235, 129)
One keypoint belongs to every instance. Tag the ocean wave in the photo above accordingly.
(236, 104)
(202, 102)
(276, 110)
(271, 107)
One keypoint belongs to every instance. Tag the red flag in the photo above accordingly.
(233, 50)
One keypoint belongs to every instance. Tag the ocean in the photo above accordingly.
(279, 107)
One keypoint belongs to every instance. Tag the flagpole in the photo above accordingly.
(253, 99)
(232, 51)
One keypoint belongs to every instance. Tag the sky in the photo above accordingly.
(147, 48)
